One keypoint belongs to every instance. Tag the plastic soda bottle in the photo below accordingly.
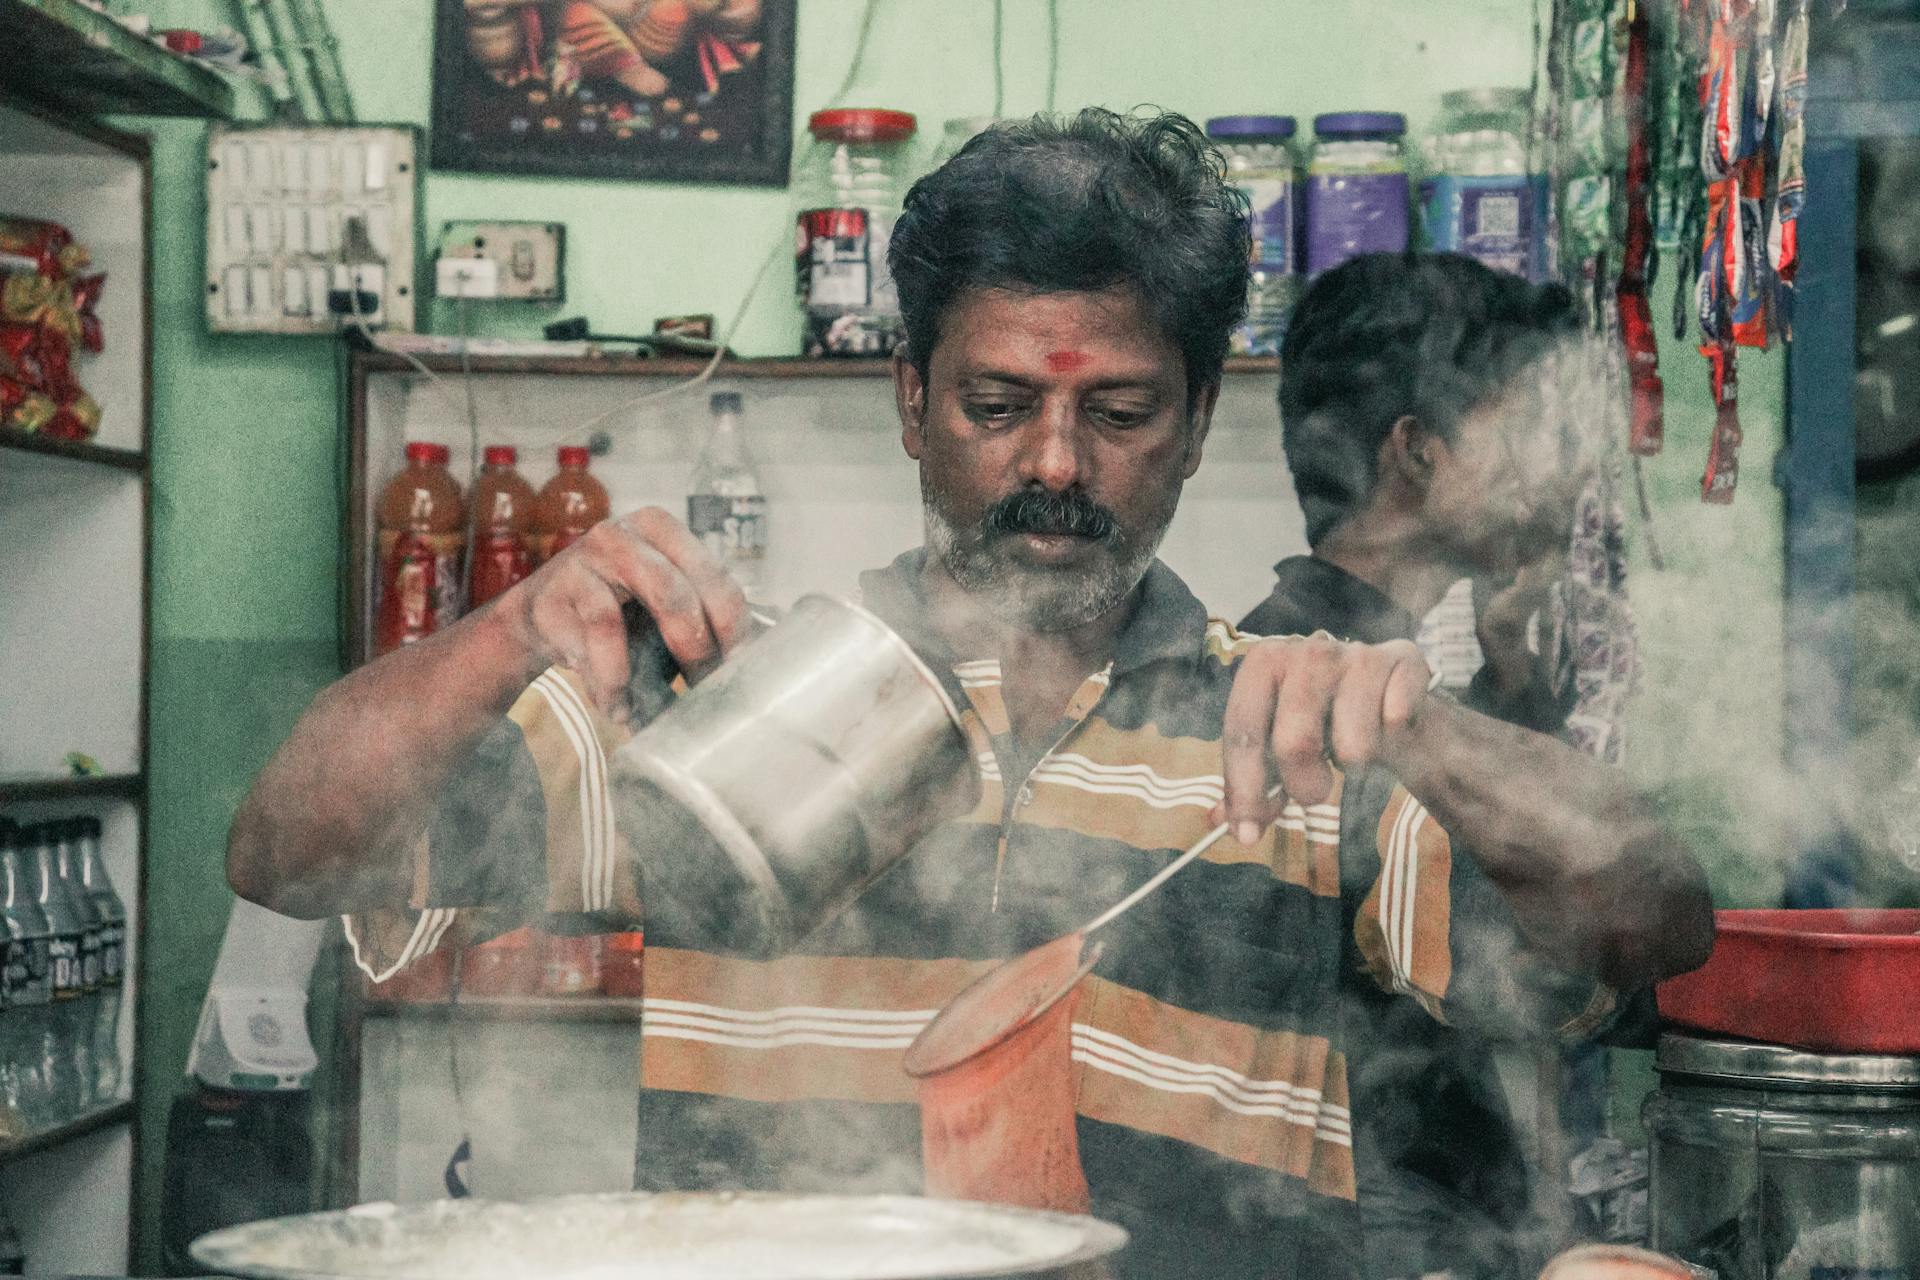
(422, 523)
(502, 551)
(569, 504)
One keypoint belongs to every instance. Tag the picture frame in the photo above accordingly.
(640, 90)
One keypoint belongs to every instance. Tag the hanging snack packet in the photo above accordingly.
(40, 248)
(1723, 455)
(1790, 177)
(86, 302)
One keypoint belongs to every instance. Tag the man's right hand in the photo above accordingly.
(569, 612)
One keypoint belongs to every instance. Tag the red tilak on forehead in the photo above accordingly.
(1065, 361)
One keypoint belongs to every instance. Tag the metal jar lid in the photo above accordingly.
(1360, 124)
(1251, 127)
(1746, 1062)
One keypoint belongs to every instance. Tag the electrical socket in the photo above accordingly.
(528, 260)
(354, 293)
(466, 278)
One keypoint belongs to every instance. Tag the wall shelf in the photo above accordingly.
(120, 786)
(73, 450)
(511, 1009)
(381, 361)
(77, 59)
(75, 535)
(106, 1117)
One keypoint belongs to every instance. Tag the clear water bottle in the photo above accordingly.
(23, 1036)
(13, 1121)
(726, 509)
(109, 1071)
(70, 858)
(67, 934)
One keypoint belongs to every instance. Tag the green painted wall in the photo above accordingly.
(245, 439)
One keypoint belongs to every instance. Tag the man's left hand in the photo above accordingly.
(1302, 704)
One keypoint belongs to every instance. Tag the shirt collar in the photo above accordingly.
(1168, 621)
(1352, 608)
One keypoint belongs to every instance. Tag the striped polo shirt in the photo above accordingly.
(1211, 1064)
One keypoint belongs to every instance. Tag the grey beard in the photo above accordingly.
(1037, 599)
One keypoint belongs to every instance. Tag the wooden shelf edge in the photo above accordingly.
(510, 1009)
(74, 450)
(116, 1113)
(80, 60)
(124, 786)
(628, 367)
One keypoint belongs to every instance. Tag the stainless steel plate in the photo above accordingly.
(687, 1236)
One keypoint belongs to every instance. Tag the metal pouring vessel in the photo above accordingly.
(669, 1236)
(779, 787)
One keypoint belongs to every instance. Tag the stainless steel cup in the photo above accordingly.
(766, 798)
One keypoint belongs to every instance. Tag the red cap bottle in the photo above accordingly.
(569, 504)
(502, 520)
(422, 526)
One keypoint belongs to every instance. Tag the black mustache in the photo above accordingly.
(1046, 512)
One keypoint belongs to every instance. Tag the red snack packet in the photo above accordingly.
(1748, 283)
(1646, 431)
(77, 419)
(1723, 456)
(40, 300)
(23, 408)
(20, 355)
(56, 366)
(86, 299)
(43, 248)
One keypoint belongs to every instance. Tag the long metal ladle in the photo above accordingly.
(994, 1070)
(1013, 993)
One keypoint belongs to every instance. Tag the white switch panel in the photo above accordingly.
(529, 259)
(278, 204)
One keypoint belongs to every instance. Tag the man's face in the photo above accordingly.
(1053, 436)
(1504, 488)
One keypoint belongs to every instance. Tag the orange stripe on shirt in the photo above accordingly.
(1403, 927)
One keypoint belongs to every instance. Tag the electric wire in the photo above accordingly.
(782, 244)
(859, 54)
(999, 75)
(1053, 52)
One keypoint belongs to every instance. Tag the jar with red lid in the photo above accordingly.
(848, 187)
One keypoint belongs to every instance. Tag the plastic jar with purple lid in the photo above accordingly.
(1262, 164)
(1358, 198)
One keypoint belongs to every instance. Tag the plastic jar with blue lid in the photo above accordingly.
(1482, 195)
(1261, 162)
(1358, 198)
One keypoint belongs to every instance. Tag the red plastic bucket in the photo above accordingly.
(1835, 981)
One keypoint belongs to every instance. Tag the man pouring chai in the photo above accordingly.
(1067, 287)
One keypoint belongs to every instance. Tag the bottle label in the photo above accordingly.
(90, 950)
(733, 529)
(1494, 220)
(113, 943)
(63, 966)
(25, 980)
(1351, 213)
(423, 588)
(500, 559)
(833, 258)
(1271, 220)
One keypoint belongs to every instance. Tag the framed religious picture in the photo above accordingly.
(661, 90)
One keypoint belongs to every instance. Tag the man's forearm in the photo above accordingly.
(1597, 882)
(329, 822)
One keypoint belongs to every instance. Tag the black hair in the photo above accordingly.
(1385, 336)
(1081, 203)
